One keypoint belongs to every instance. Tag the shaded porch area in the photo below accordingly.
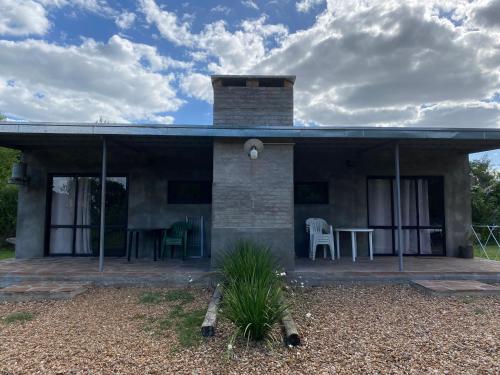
(197, 272)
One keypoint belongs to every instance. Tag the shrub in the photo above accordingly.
(252, 290)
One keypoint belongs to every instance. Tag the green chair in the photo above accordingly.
(176, 235)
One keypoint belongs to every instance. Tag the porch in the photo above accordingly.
(176, 272)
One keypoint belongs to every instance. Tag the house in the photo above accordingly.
(253, 174)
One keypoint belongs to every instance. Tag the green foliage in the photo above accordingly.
(185, 323)
(6, 253)
(252, 290)
(2, 117)
(485, 190)
(21, 317)
(8, 194)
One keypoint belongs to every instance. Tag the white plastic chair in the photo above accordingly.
(320, 233)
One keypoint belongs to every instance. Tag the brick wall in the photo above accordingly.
(253, 199)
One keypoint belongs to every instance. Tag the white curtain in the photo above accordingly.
(380, 214)
(423, 211)
(379, 205)
(83, 243)
(62, 213)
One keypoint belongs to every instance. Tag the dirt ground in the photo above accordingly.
(345, 329)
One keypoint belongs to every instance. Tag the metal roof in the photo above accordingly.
(295, 132)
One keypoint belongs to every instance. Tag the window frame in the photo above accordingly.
(74, 226)
(417, 227)
(325, 183)
(208, 182)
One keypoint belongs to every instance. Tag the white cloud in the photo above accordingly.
(487, 13)
(366, 62)
(250, 4)
(221, 9)
(197, 86)
(48, 82)
(125, 20)
(305, 6)
(167, 23)
(22, 17)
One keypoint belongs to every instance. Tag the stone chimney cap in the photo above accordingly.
(219, 78)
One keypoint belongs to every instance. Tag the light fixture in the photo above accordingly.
(19, 173)
(253, 147)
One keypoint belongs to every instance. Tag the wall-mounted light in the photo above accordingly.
(253, 147)
(19, 173)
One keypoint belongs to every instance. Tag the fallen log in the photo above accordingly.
(210, 321)
(291, 332)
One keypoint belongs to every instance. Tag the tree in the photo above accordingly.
(2, 117)
(485, 191)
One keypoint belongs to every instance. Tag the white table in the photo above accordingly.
(353, 232)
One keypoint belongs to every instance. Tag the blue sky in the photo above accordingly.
(357, 62)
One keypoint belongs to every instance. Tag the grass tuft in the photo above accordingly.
(252, 290)
(18, 317)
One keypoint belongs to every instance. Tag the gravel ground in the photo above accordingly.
(352, 329)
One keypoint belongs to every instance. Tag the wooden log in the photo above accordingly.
(210, 321)
(291, 332)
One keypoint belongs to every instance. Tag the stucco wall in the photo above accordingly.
(253, 199)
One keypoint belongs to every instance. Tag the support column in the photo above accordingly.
(398, 208)
(103, 205)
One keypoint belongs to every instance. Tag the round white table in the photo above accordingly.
(353, 232)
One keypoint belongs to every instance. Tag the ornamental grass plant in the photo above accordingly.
(252, 290)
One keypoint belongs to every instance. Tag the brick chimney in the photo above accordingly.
(253, 100)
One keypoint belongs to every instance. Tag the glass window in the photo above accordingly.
(75, 215)
(422, 214)
(63, 201)
(379, 202)
(311, 193)
(189, 192)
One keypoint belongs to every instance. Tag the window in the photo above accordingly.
(75, 206)
(189, 192)
(422, 215)
(311, 193)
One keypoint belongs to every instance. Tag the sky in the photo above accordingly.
(357, 62)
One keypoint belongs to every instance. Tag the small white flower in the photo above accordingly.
(290, 346)
(229, 346)
(308, 315)
(283, 274)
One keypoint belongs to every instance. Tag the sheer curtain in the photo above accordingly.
(423, 211)
(62, 213)
(83, 243)
(379, 205)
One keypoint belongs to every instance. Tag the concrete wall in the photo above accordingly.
(148, 182)
(235, 106)
(347, 173)
(253, 199)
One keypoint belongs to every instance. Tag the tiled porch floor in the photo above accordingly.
(116, 271)
(177, 272)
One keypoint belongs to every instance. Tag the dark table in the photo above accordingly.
(136, 232)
